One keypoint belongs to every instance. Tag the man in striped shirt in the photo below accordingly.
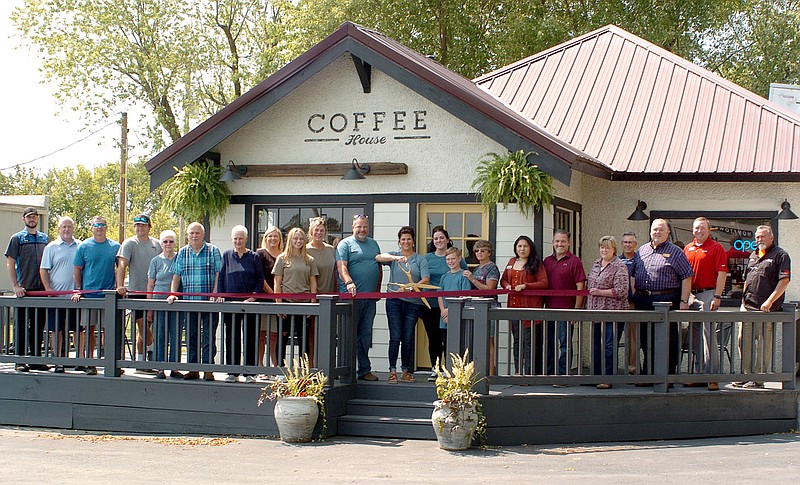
(197, 267)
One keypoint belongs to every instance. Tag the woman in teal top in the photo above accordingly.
(402, 313)
(437, 266)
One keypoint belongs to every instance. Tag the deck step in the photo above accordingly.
(386, 427)
(389, 408)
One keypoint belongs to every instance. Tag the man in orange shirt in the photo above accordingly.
(710, 265)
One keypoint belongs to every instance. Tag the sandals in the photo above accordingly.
(407, 377)
(392, 377)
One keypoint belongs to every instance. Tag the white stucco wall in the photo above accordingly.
(444, 163)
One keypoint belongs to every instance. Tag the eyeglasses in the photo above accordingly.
(359, 216)
(143, 220)
(99, 224)
(167, 242)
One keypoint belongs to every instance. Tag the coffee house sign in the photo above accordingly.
(367, 128)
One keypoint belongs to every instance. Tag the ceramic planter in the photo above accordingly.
(296, 418)
(454, 430)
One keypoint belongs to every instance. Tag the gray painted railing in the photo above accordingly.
(331, 319)
(470, 324)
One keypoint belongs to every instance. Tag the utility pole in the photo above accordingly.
(123, 176)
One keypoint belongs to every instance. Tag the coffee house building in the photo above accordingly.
(621, 124)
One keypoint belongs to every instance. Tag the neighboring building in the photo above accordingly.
(612, 117)
(11, 207)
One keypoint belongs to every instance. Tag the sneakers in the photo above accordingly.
(749, 385)
(230, 378)
(604, 386)
(432, 377)
(713, 386)
(369, 376)
(91, 371)
(21, 368)
(161, 375)
(249, 379)
(80, 368)
(43, 367)
(59, 369)
(191, 376)
(208, 376)
(560, 386)
(407, 377)
(176, 375)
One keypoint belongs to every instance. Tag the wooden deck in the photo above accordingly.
(515, 414)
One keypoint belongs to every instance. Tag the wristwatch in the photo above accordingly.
(684, 300)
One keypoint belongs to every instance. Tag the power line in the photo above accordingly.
(62, 148)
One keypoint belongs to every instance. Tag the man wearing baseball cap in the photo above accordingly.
(135, 253)
(23, 257)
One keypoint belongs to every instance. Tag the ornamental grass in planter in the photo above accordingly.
(458, 415)
(299, 397)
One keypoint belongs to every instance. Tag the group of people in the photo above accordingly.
(692, 277)
(635, 277)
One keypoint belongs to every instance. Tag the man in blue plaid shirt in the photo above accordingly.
(197, 268)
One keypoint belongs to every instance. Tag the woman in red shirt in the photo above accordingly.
(525, 272)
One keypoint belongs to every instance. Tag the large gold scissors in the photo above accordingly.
(411, 285)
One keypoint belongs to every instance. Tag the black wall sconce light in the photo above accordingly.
(786, 211)
(356, 171)
(638, 214)
(233, 172)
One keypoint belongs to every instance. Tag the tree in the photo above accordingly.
(758, 46)
(181, 59)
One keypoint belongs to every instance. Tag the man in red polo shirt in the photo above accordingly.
(710, 265)
(564, 272)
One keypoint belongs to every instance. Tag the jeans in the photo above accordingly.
(647, 337)
(562, 347)
(167, 333)
(603, 344)
(365, 316)
(402, 316)
(293, 328)
(233, 323)
(206, 323)
(521, 334)
(431, 318)
(29, 330)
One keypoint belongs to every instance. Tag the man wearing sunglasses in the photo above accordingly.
(135, 254)
(94, 263)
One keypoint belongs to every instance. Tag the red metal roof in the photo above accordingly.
(646, 113)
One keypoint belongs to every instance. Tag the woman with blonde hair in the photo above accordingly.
(608, 283)
(325, 256)
(295, 272)
(271, 248)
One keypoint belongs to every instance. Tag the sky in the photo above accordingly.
(34, 124)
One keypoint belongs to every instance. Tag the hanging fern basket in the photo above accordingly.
(512, 179)
(196, 191)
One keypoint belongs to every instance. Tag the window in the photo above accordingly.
(338, 219)
(465, 223)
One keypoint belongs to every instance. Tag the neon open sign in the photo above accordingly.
(745, 245)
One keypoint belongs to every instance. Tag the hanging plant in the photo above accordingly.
(512, 179)
(196, 191)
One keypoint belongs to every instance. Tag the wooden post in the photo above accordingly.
(123, 176)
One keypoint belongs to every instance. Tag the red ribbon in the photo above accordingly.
(371, 295)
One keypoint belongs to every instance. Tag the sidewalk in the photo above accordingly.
(47, 456)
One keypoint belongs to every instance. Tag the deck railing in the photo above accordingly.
(326, 328)
(484, 330)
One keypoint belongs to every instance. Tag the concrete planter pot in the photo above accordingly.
(454, 428)
(296, 418)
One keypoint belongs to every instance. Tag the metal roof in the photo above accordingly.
(452, 92)
(645, 113)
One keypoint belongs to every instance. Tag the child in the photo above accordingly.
(454, 280)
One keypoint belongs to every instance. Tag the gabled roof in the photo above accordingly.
(452, 92)
(646, 113)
